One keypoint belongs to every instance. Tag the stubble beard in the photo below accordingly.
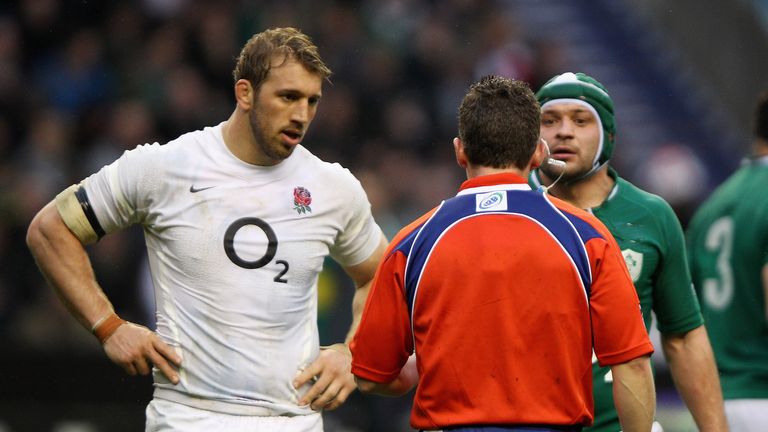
(568, 176)
(277, 152)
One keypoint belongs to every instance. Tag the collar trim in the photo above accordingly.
(492, 182)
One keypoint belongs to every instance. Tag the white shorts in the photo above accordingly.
(167, 416)
(747, 415)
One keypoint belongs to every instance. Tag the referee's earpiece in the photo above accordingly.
(552, 161)
(549, 160)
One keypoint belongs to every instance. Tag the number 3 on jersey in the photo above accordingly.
(718, 291)
(229, 247)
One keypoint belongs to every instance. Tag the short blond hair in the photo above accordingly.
(255, 59)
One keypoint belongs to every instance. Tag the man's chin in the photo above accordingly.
(287, 150)
(282, 154)
(554, 173)
(551, 173)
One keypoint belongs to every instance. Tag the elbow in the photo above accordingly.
(637, 367)
(676, 345)
(42, 230)
(35, 235)
(642, 363)
(365, 386)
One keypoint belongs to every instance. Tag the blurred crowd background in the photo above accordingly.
(82, 81)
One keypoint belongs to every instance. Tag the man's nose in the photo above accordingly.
(566, 128)
(300, 112)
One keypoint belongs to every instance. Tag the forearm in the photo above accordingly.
(634, 394)
(693, 369)
(362, 274)
(63, 261)
(358, 304)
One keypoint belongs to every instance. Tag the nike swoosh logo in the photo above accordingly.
(193, 190)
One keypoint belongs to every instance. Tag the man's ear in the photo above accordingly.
(461, 157)
(244, 94)
(540, 154)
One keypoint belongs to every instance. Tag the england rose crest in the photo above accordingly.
(301, 200)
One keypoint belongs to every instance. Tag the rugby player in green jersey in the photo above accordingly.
(728, 251)
(578, 123)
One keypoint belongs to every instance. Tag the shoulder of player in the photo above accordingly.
(333, 171)
(185, 142)
(731, 194)
(181, 151)
(631, 196)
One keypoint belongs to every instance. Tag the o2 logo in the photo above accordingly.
(229, 247)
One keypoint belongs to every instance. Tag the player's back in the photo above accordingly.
(499, 286)
(727, 242)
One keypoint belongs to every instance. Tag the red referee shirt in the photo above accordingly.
(503, 292)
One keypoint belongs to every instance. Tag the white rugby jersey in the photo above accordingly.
(235, 251)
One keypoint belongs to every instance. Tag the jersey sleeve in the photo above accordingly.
(120, 192)
(360, 234)
(674, 299)
(691, 252)
(383, 341)
(617, 321)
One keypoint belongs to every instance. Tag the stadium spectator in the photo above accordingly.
(728, 254)
(578, 123)
(502, 293)
(238, 219)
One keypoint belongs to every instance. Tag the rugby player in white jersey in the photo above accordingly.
(238, 219)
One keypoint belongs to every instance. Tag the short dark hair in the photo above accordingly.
(761, 116)
(499, 122)
(255, 59)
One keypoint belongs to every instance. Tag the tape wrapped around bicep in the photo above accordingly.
(71, 210)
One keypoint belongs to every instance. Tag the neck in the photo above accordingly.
(477, 171)
(585, 193)
(239, 139)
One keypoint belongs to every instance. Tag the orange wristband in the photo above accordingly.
(105, 327)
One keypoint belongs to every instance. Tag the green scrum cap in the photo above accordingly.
(585, 90)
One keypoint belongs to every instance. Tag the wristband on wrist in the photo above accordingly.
(104, 327)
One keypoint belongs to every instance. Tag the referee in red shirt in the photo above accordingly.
(495, 300)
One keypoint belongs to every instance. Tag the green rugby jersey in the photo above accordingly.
(728, 247)
(652, 242)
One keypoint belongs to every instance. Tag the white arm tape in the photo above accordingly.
(74, 217)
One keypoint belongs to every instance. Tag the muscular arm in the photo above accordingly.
(634, 394)
(363, 274)
(65, 264)
(333, 368)
(692, 365)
